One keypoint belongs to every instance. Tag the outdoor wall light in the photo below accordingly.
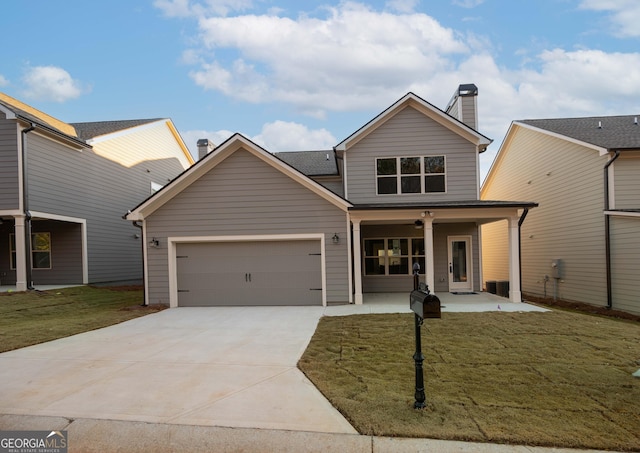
(418, 224)
(154, 242)
(336, 238)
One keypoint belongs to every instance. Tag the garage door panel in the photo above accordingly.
(249, 273)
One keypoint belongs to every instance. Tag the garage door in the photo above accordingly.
(249, 273)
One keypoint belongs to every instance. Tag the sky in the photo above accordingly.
(305, 74)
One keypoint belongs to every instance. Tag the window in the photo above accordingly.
(40, 250)
(393, 256)
(406, 175)
(434, 175)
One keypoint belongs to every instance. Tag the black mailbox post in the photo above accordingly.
(424, 305)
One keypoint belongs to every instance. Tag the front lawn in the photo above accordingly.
(33, 317)
(552, 379)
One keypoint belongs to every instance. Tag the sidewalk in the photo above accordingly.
(106, 436)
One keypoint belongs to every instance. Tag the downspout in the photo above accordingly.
(144, 286)
(25, 206)
(520, 222)
(607, 239)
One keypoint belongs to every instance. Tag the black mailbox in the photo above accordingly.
(424, 304)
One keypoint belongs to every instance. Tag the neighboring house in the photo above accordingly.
(247, 227)
(68, 184)
(585, 174)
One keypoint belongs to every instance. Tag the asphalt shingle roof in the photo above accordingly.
(610, 132)
(311, 163)
(90, 130)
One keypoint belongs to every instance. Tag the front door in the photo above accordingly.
(460, 271)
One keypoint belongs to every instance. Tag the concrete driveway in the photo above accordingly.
(225, 366)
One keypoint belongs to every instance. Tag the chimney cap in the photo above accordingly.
(467, 89)
(203, 142)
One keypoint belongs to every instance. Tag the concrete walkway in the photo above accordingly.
(202, 379)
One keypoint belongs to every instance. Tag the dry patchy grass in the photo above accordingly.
(28, 318)
(553, 379)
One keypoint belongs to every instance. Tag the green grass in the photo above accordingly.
(558, 379)
(28, 318)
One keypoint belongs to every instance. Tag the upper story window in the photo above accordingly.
(405, 175)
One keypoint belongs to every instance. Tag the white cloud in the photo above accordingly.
(3, 81)
(274, 137)
(355, 58)
(288, 136)
(51, 83)
(625, 15)
(349, 59)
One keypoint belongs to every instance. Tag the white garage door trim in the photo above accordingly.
(172, 254)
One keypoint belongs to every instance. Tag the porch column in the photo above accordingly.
(430, 271)
(21, 254)
(357, 262)
(515, 295)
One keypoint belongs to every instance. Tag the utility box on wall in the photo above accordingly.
(556, 268)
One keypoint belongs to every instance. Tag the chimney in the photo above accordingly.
(463, 105)
(204, 147)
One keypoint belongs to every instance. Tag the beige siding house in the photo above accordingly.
(65, 187)
(583, 242)
(247, 227)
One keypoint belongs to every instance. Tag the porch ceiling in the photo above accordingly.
(476, 211)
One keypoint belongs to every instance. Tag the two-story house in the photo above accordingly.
(247, 227)
(583, 242)
(63, 190)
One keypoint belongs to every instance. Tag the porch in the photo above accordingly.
(399, 303)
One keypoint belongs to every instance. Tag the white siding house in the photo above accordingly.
(585, 175)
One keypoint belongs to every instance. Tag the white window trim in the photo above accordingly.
(399, 175)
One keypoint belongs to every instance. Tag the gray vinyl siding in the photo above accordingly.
(397, 283)
(627, 186)
(334, 185)
(625, 263)
(9, 193)
(567, 182)
(406, 134)
(468, 108)
(244, 196)
(81, 184)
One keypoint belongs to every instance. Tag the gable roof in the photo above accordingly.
(311, 163)
(609, 132)
(428, 109)
(93, 129)
(219, 154)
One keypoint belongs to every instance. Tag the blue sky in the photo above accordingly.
(296, 75)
